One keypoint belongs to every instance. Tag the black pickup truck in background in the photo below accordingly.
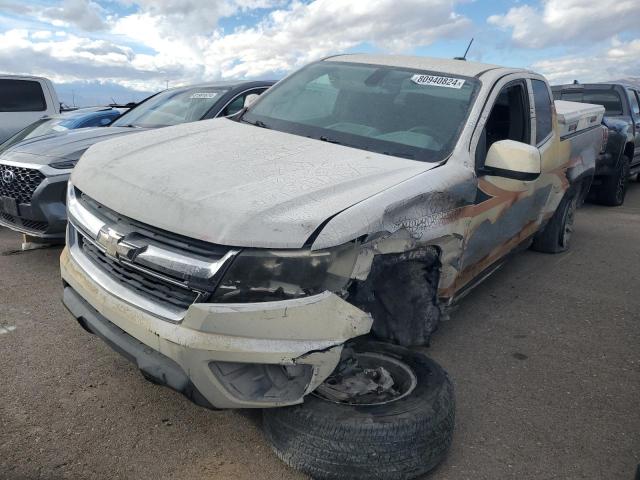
(621, 158)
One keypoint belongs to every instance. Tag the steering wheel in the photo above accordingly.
(429, 132)
(425, 130)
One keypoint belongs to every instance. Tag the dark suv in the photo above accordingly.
(621, 158)
(34, 172)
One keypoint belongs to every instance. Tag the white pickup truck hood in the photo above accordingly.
(234, 184)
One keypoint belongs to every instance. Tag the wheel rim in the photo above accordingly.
(569, 218)
(352, 386)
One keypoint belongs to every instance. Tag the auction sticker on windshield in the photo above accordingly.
(204, 95)
(437, 81)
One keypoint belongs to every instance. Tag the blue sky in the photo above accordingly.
(98, 49)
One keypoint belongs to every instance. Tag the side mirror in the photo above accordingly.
(510, 159)
(249, 99)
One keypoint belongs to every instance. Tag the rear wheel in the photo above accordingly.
(614, 188)
(556, 236)
(386, 412)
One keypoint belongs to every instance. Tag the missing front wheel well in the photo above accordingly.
(400, 293)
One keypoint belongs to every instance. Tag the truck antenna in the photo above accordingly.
(464, 57)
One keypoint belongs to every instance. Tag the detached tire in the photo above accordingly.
(556, 236)
(614, 188)
(401, 439)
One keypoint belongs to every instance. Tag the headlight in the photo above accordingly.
(64, 164)
(68, 161)
(264, 275)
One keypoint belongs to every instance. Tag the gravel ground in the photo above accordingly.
(545, 356)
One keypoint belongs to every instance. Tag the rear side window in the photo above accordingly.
(21, 96)
(609, 99)
(543, 109)
(633, 101)
(98, 121)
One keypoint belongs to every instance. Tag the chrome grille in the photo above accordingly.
(146, 285)
(158, 271)
(23, 182)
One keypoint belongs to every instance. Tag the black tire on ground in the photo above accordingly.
(556, 236)
(614, 187)
(401, 439)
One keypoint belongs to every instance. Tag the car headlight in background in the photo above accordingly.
(258, 275)
(68, 161)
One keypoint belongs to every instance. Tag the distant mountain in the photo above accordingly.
(85, 94)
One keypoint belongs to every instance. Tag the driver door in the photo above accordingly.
(507, 211)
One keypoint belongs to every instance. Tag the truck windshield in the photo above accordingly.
(389, 110)
(172, 107)
(609, 98)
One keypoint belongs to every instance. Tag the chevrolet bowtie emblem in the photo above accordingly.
(116, 246)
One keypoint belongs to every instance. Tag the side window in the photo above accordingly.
(633, 101)
(508, 120)
(237, 104)
(543, 110)
(21, 96)
(97, 122)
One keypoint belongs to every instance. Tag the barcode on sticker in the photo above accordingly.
(204, 95)
(437, 81)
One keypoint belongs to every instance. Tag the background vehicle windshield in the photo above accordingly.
(40, 127)
(609, 99)
(395, 111)
(171, 107)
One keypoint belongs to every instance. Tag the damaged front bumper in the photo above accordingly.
(249, 355)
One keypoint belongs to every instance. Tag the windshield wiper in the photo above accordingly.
(257, 123)
(409, 156)
(130, 125)
(329, 140)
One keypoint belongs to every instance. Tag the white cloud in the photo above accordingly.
(559, 22)
(179, 40)
(70, 58)
(195, 17)
(620, 60)
(41, 35)
(84, 14)
(294, 36)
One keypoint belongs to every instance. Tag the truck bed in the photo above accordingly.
(574, 117)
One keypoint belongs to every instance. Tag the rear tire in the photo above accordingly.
(400, 439)
(614, 188)
(556, 236)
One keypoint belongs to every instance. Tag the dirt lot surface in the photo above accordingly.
(545, 357)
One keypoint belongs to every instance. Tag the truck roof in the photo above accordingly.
(23, 77)
(459, 67)
(601, 85)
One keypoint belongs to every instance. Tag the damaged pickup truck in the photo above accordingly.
(248, 262)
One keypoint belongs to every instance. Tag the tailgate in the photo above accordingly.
(574, 117)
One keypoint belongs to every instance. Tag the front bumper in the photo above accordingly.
(252, 355)
(45, 215)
